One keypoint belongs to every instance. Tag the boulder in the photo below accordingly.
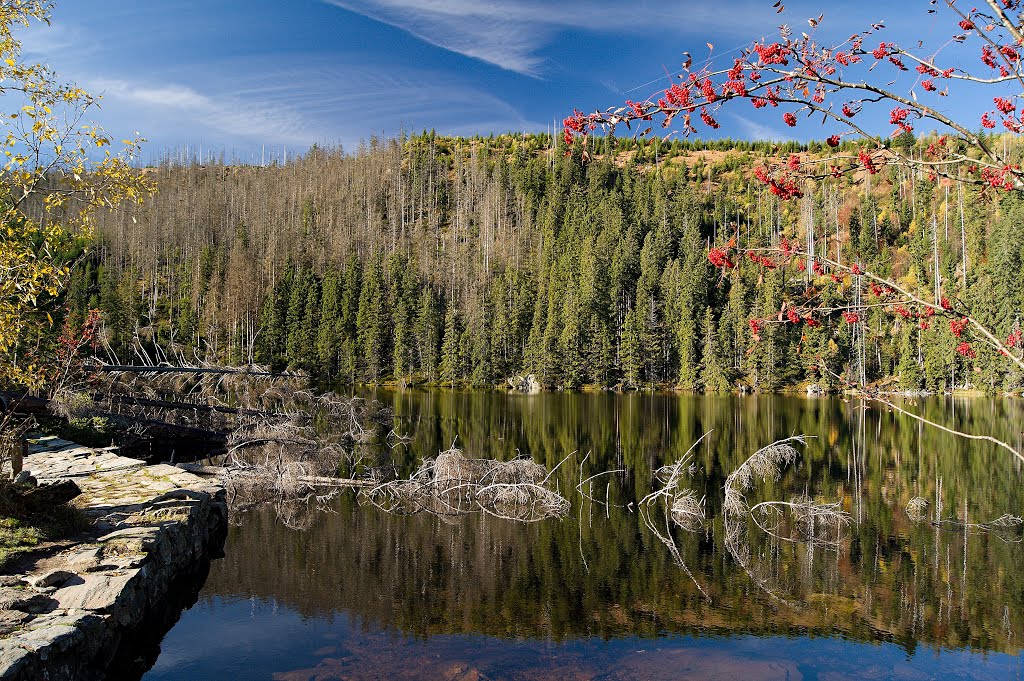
(525, 384)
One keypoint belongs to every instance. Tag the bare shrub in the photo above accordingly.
(678, 506)
(800, 520)
(452, 467)
(681, 504)
(70, 404)
(687, 511)
(1007, 527)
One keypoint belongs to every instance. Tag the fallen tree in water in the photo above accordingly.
(300, 454)
(797, 520)
(453, 485)
(1007, 527)
(304, 452)
(800, 520)
(269, 436)
(679, 506)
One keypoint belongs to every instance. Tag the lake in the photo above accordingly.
(351, 592)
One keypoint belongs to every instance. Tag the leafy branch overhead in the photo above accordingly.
(849, 84)
(862, 87)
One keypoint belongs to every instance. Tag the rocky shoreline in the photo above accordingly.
(72, 613)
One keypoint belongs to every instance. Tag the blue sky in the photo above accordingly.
(242, 76)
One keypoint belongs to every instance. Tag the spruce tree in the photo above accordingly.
(714, 377)
(348, 362)
(909, 366)
(328, 338)
(450, 370)
(631, 354)
(301, 320)
(427, 334)
(371, 323)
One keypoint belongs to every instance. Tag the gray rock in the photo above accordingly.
(84, 559)
(11, 620)
(146, 534)
(25, 478)
(96, 592)
(525, 384)
(160, 519)
(181, 494)
(54, 637)
(24, 600)
(13, 659)
(51, 578)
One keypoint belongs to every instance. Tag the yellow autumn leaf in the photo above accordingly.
(64, 189)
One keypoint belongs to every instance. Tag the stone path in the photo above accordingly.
(64, 618)
(51, 459)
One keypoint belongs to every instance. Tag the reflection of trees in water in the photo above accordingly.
(604, 574)
(420, 576)
(641, 431)
(791, 572)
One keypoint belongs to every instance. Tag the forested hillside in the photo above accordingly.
(465, 261)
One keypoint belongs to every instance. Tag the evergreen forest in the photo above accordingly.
(431, 260)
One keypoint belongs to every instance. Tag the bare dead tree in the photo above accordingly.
(765, 464)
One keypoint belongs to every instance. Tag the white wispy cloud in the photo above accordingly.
(295, 99)
(299, 104)
(43, 39)
(471, 31)
(337, 98)
(509, 34)
(759, 131)
(166, 104)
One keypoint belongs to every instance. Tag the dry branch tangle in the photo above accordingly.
(798, 520)
(453, 485)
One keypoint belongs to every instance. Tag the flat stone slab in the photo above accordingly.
(152, 524)
(51, 459)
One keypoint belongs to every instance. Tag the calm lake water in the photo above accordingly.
(355, 593)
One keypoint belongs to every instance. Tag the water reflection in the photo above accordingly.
(381, 596)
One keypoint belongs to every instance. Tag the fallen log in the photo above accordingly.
(157, 430)
(142, 369)
(132, 401)
(200, 469)
(320, 481)
(314, 480)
